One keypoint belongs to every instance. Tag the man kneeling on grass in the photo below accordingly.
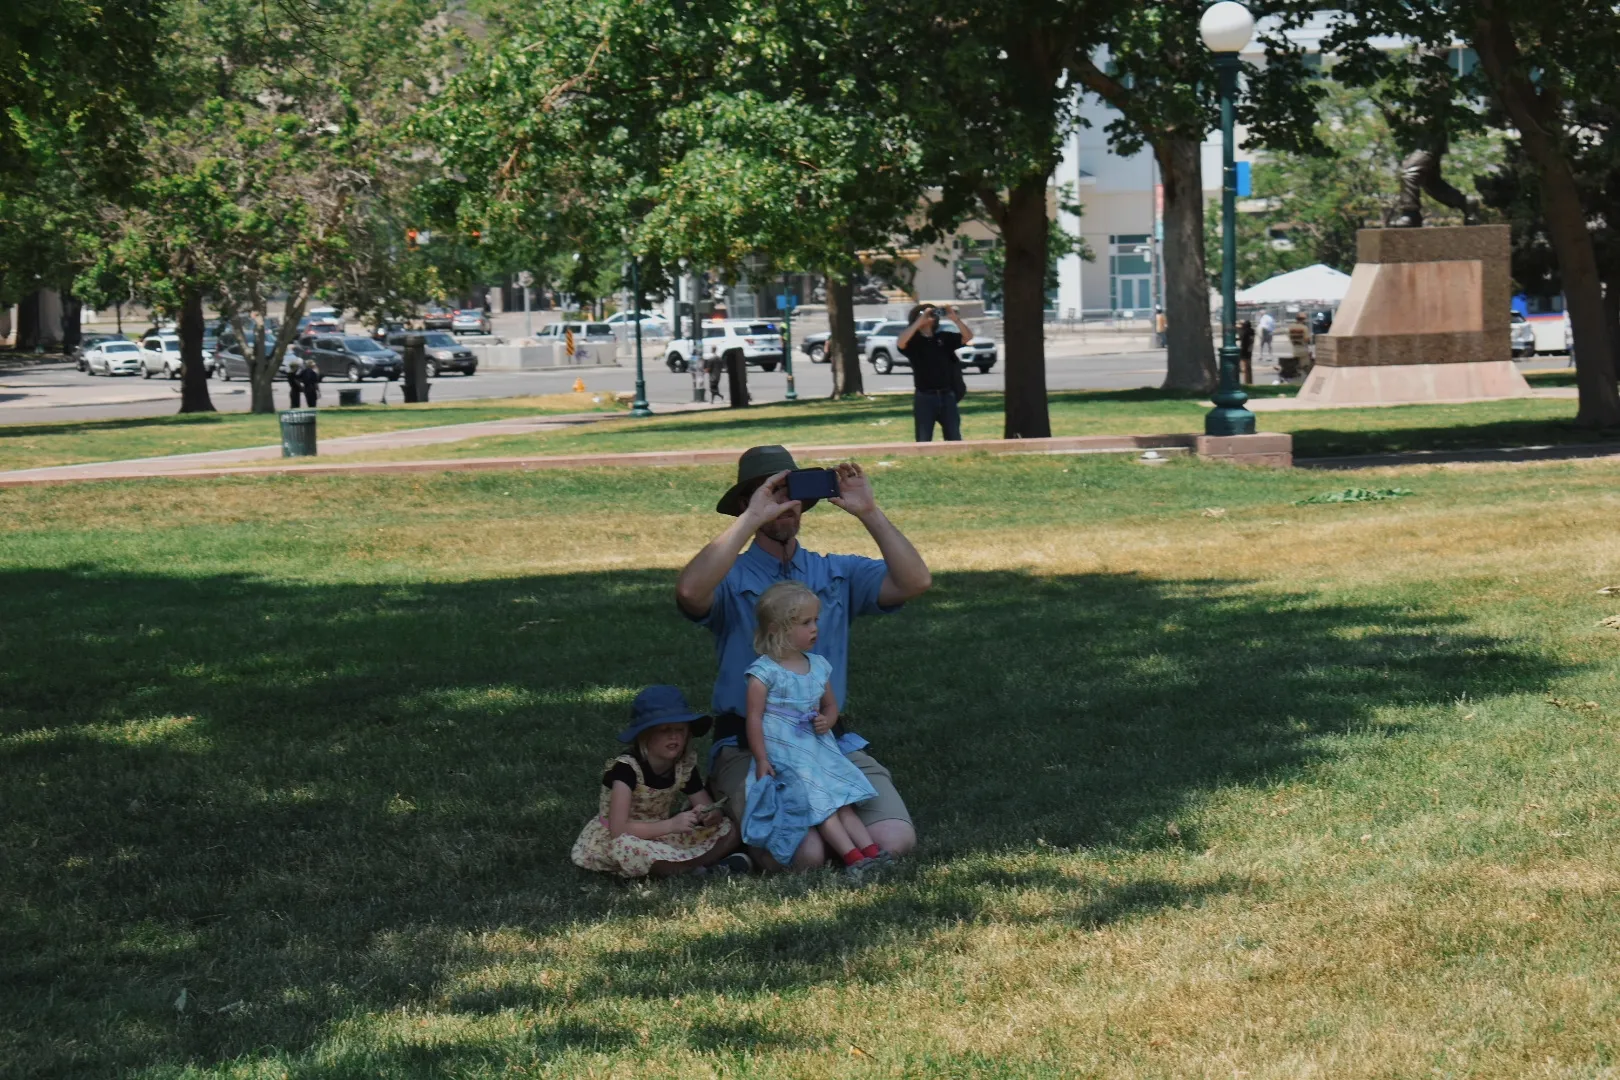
(719, 589)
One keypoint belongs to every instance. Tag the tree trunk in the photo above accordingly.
(27, 322)
(72, 321)
(1191, 346)
(1024, 231)
(1539, 120)
(842, 354)
(193, 370)
(262, 367)
(736, 380)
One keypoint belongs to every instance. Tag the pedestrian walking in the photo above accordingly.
(1246, 349)
(1161, 328)
(936, 374)
(294, 387)
(1268, 326)
(310, 379)
(715, 367)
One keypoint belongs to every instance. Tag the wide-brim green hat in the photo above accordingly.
(757, 465)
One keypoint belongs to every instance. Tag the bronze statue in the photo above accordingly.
(1420, 172)
(1421, 121)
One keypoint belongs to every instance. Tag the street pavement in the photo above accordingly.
(51, 392)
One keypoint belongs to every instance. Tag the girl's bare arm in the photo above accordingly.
(756, 728)
(828, 716)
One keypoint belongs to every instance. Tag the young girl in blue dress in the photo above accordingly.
(791, 711)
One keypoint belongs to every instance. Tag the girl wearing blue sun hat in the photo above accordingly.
(636, 832)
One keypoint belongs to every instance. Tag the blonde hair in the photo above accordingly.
(778, 606)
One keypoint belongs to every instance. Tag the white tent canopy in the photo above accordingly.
(1318, 284)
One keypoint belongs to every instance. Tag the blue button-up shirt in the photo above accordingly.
(847, 585)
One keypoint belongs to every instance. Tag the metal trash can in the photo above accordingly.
(298, 433)
(348, 397)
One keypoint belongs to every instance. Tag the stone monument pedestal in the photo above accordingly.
(1426, 318)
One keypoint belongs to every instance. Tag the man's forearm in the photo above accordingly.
(906, 569)
(962, 327)
(694, 589)
(905, 335)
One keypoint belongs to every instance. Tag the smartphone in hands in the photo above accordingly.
(808, 485)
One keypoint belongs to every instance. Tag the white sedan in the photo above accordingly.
(113, 358)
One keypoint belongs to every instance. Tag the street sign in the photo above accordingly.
(525, 279)
(784, 302)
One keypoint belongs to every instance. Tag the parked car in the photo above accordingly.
(115, 356)
(651, 323)
(90, 341)
(231, 359)
(583, 331)
(444, 353)
(160, 355)
(469, 321)
(1523, 336)
(758, 343)
(883, 350)
(436, 317)
(323, 320)
(356, 358)
(815, 345)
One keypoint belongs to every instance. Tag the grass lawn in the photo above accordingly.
(887, 418)
(32, 446)
(1209, 783)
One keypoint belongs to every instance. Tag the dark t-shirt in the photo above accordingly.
(933, 361)
(623, 772)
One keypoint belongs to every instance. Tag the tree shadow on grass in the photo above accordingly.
(309, 802)
(1325, 442)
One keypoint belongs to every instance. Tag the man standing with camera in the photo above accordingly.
(936, 374)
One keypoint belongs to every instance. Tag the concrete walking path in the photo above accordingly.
(1266, 449)
(404, 439)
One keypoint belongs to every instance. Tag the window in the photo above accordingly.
(714, 331)
(759, 328)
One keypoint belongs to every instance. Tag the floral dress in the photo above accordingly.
(631, 856)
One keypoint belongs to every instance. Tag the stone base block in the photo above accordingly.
(1267, 448)
(1412, 384)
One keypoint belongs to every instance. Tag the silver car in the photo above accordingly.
(117, 357)
(469, 321)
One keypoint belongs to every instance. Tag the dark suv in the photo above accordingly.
(444, 352)
(355, 357)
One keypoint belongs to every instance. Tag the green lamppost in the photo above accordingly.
(1226, 28)
(639, 406)
(789, 302)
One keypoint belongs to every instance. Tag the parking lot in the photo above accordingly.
(43, 392)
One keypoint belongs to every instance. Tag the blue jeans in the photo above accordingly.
(928, 406)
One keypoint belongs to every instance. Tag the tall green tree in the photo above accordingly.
(1160, 77)
(717, 131)
(991, 91)
(76, 78)
(284, 171)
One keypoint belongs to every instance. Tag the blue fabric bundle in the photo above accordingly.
(777, 814)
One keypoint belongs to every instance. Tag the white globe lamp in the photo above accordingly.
(1227, 27)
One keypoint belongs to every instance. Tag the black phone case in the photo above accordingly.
(806, 484)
